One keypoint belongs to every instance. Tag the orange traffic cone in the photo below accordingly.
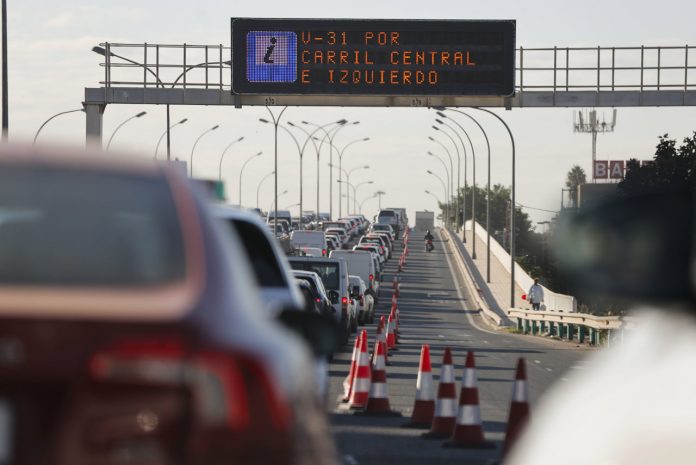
(519, 408)
(468, 432)
(395, 283)
(361, 382)
(383, 336)
(348, 382)
(394, 300)
(424, 406)
(446, 402)
(378, 402)
(391, 338)
(396, 320)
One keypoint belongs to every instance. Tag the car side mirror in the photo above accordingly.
(320, 332)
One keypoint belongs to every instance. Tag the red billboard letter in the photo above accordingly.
(600, 169)
(616, 169)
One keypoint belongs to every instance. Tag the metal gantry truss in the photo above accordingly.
(185, 74)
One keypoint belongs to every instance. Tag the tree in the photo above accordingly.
(574, 179)
(672, 168)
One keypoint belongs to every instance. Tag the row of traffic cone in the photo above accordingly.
(462, 423)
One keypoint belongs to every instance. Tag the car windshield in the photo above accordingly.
(327, 271)
(76, 227)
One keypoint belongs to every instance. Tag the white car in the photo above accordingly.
(365, 303)
(373, 248)
(312, 251)
(341, 233)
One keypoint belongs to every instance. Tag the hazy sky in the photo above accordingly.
(51, 64)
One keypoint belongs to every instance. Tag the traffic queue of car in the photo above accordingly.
(141, 322)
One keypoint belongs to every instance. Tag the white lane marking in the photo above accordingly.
(461, 297)
(441, 335)
(549, 369)
(485, 342)
(537, 361)
(350, 460)
(564, 379)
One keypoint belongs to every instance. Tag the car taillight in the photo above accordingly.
(230, 390)
(372, 278)
(344, 301)
(318, 300)
(323, 252)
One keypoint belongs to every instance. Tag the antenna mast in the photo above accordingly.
(588, 123)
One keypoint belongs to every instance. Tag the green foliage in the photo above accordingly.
(672, 168)
(574, 179)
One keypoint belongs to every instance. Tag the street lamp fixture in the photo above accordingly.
(241, 171)
(165, 133)
(196, 143)
(138, 115)
(222, 157)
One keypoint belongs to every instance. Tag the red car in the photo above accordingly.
(130, 329)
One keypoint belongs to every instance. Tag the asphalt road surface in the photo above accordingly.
(433, 305)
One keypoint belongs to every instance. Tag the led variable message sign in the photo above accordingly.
(373, 57)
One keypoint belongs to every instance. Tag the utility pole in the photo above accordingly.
(5, 92)
(589, 124)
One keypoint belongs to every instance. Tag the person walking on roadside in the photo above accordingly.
(535, 296)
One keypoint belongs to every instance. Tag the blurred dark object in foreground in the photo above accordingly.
(637, 248)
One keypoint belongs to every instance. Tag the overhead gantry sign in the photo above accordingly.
(373, 57)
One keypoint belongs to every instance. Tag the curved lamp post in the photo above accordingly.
(488, 188)
(341, 124)
(241, 172)
(54, 116)
(196, 143)
(444, 189)
(340, 164)
(360, 205)
(355, 194)
(437, 199)
(222, 157)
(459, 162)
(138, 115)
(258, 187)
(449, 155)
(274, 202)
(166, 133)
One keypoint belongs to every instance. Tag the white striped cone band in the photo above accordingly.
(378, 391)
(361, 385)
(447, 374)
(424, 386)
(519, 391)
(469, 378)
(446, 408)
(364, 359)
(380, 363)
(469, 415)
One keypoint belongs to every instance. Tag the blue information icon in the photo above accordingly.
(271, 56)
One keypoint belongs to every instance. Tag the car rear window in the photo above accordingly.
(81, 227)
(328, 272)
(261, 255)
(387, 213)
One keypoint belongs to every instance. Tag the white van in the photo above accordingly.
(360, 263)
(309, 239)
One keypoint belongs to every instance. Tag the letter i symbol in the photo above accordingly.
(269, 51)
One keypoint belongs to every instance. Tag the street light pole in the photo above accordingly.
(138, 115)
(512, 210)
(380, 194)
(355, 194)
(274, 205)
(54, 116)
(447, 175)
(166, 133)
(360, 205)
(459, 162)
(5, 85)
(241, 171)
(434, 196)
(310, 138)
(322, 128)
(258, 187)
(463, 203)
(449, 155)
(348, 182)
(276, 121)
(488, 186)
(340, 164)
(444, 188)
(196, 143)
(222, 157)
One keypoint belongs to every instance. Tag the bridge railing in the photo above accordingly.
(580, 327)
(560, 69)
(553, 300)
(555, 69)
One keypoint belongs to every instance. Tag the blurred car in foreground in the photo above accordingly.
(130, 328)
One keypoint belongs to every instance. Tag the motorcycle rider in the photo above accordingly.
(429, 240)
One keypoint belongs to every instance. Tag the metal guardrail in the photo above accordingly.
(555, 69)
(571, 326)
